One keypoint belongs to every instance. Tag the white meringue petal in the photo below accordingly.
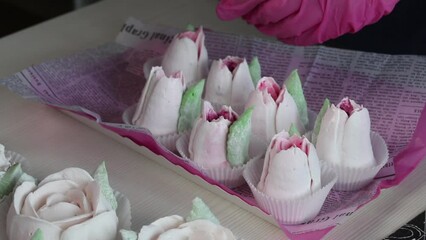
(218, 84)
(76, 175)
(22, 227)
(242, 85)
(330, 137)
(102, 226)
(182, 55)
(287, 113)
(161, 110)
(356, 146)
(153, 230)
(288, 175)
(208, 144)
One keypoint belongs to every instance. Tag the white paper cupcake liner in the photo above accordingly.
(228, 176)
(289, 211)
(352, 179)
(168, 141)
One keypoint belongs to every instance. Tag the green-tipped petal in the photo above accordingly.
(9, 179)
(190, 106)
(101, 176)
(294, 87)
(318, 121)
(190, 27)
(255, 70)
(293, 130)
(238, 139)
(38, 235)
(128, 235)
(201, 211)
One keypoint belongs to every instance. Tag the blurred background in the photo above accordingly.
(401, 32)
(16, 15)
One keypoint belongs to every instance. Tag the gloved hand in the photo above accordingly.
(306, 22)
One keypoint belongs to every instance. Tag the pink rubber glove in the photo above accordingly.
(306, 22)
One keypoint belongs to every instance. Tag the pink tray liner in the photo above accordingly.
(405, 162)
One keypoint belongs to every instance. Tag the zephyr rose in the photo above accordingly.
(175, 227)
(188, 54)
(291, 168)
(158, 106)
(229, 82)
(344, 136)
(208, 140)
(264, 108)
(67, 205)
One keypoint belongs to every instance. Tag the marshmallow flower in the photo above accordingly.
(175, 227)
(200, 224)
(344, 136)
(229, 82)
(158, 106)
(69, 204)
(274, 110)
(291, 168)
(208, 140)
(188, 54)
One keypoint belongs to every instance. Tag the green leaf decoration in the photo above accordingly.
(128, 235)
(325, 106)
(294, 87)
(190, 27)
(238, 139)
(38, 235)
(255, 70)
(293, 130)
(101, 176)
(201, 211)
(9, 179)
(190, 107)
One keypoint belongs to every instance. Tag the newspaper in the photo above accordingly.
(104, 81)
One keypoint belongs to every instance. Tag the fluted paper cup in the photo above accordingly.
(228, 176)
(289, 211)
(352, 179)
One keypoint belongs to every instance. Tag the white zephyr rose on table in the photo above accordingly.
(67, 205)
(188, 54)
(229, 82)
(291, 168)
(208, 140)
(158, 106)
(344, 136)
(175, 227)
(201, 224)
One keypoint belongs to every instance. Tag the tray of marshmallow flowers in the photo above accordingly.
(225, 122)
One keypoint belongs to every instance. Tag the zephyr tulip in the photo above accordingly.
(229, 82)
(208, 140)
(188, 54)
(264, 108)
(158, 106)
(344, 136)
(66, 205)
(291, 168)
(274, 109)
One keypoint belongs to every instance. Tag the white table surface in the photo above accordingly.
(52, 140)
